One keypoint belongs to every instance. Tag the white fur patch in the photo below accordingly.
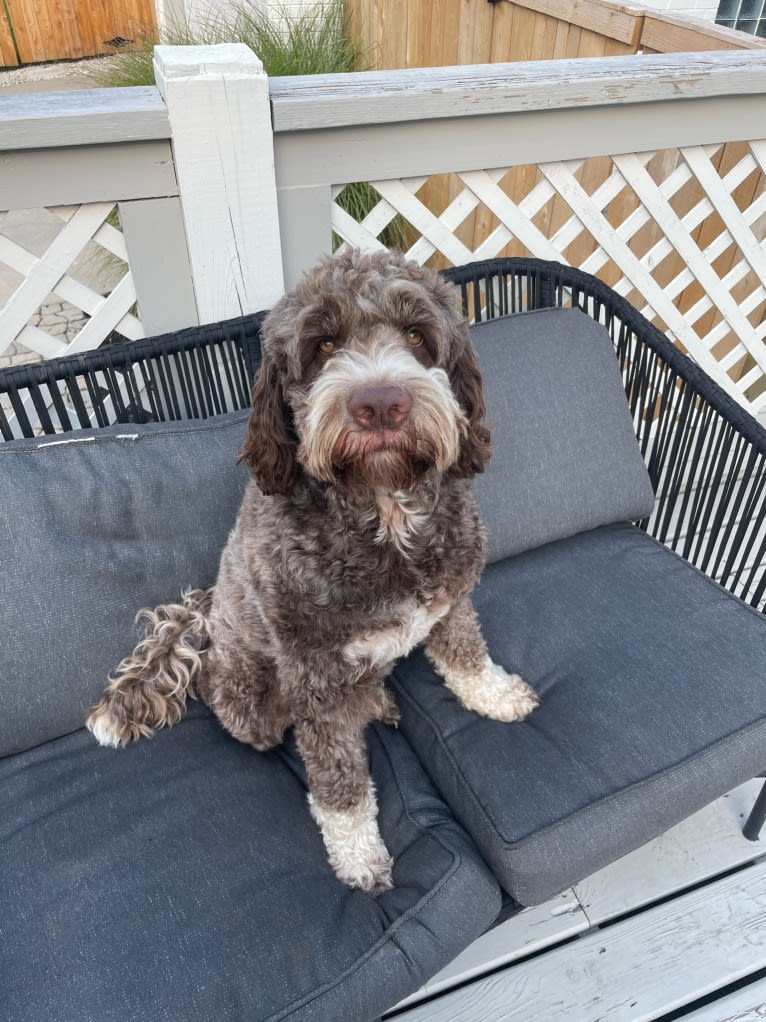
(401, 519)
(104, 729)
(492, 692)
(354, 845)
(397, 640)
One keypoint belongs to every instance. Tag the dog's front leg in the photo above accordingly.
(456, 648)
(341, 792)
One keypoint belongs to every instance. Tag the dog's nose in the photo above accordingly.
(379, 406)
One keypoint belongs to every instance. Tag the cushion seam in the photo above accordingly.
(509, 845)
(57, 440)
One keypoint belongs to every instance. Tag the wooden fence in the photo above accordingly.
(421, 33)
(38, 30)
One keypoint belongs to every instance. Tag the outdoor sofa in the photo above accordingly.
(183, 878)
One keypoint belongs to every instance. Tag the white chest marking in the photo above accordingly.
(399, 520)
(388, 644)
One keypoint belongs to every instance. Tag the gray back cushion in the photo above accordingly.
(564, 453)
(94, 526)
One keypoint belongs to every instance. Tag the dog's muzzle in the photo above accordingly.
(378, 402)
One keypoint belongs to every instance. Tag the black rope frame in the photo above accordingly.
(192, 373)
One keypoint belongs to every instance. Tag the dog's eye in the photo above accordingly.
(414, 337)
(327, 346)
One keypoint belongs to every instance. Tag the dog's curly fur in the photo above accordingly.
(358, 538)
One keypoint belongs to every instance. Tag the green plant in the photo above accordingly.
(317, 40)
(358, 199)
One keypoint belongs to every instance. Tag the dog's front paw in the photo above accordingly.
(354, 846)
(370, 875)
(494, 693)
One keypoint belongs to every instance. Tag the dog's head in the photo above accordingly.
(368, 379)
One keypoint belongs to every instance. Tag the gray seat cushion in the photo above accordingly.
(95, 525)
(564, 452)
(183, 878)
(652, 680)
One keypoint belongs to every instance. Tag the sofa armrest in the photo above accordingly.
(189, 374)
(706, 455)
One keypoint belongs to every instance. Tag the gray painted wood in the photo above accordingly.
(310, 102)
(61, 177)
(384, 151)
(82, 117)
(745, 1005)
(304, 223)
(156, 242)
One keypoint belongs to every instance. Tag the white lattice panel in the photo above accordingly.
(68, 258)
(679, 232)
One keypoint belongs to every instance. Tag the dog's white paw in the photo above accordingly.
(354, 845)
(106, 728)
(494, 693)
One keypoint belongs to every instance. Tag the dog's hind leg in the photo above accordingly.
(456, 648)
(239, 686)
(150, 687)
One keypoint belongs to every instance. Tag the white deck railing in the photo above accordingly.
(646, 170)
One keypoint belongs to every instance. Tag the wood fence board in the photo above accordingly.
(612, 20)
(29, 39)
(8, 55)
(544, 36)
(671, 33)
(449, 34)
(75, 28)
(523, 29)
(503, 31)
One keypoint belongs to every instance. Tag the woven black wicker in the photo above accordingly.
(190, 374)
(705, 454)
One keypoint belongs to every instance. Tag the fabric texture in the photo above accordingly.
(183, 878)
(653, 704)
(564, 452)
(95, 525)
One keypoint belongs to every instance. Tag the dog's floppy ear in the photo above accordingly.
(468, 388)
(466, 380)
(270, 443)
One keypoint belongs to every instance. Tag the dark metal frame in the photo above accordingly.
(705, 454)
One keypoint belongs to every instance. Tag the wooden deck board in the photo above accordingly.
(673, 945)
(636, 971)
(745, 1005)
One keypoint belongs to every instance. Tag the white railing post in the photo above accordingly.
(217, 99)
